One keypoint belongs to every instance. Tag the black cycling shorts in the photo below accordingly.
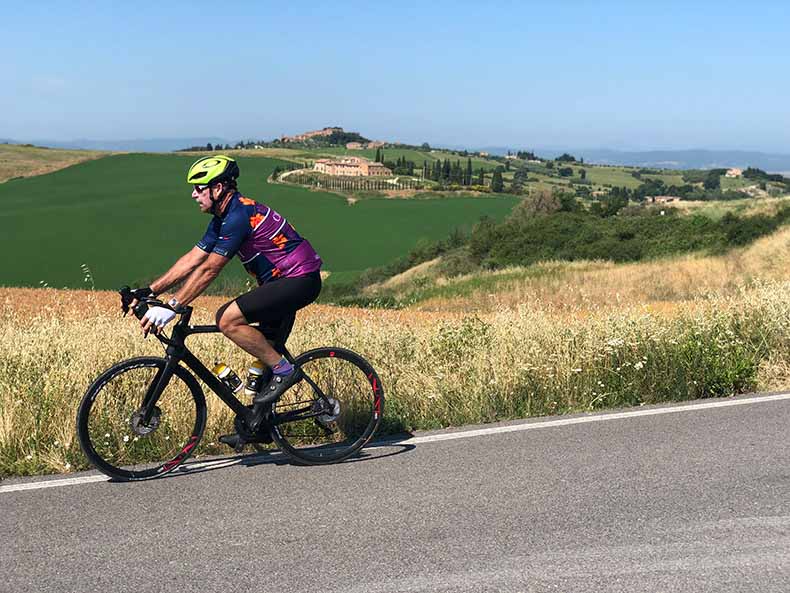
(274, 304)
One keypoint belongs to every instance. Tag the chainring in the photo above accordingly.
(262, 436)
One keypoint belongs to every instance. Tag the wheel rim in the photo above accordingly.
(334, 429)
(120, 443)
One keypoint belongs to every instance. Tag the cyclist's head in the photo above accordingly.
(211, 171)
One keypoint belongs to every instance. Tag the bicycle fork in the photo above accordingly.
(155, 390)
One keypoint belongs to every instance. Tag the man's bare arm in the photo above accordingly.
(180, 270)
(200, 278)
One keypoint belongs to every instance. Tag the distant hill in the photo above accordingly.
(667, 159)
(139, 145)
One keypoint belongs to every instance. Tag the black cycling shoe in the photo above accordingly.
(276, 386)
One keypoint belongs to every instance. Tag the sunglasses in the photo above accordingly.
(200, 188)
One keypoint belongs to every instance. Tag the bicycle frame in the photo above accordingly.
(177, 351)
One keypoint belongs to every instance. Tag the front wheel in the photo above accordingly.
(114, 433)
(333, 411)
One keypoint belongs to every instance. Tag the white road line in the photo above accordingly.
(466, 434)
(585, 419)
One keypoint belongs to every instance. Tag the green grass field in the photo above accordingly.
(667, 178)
(128, 217)
(611, 176)
(736, 183)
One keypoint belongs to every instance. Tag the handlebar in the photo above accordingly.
(144, 302)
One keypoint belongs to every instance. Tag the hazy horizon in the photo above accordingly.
(616, 75)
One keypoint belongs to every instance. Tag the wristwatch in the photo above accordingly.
(173, 304)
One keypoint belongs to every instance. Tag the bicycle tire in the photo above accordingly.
(116, 442)
(346, 378)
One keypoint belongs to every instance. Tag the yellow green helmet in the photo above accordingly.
(208, 169)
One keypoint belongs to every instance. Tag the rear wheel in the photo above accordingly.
(116, 437)
(333, 411)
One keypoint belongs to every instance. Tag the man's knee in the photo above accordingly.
(229, 317)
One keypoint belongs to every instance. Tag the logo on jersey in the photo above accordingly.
(256, 219)
(280, 240)
(246, 201)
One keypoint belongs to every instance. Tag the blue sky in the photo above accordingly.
(628, 75)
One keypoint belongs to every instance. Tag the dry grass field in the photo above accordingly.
(27, 161)
(660, 285)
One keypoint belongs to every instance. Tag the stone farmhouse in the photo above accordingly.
(734, 173)
(352, 166)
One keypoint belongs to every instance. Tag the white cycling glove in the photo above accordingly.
(160, 316)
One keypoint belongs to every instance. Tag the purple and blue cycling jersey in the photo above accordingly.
(266, 243)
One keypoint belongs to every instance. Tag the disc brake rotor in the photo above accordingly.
(136, 422)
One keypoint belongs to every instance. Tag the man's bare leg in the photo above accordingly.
(233, 326)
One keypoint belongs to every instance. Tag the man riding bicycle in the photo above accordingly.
(284, 264)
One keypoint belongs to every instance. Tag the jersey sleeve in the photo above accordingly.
(209, 239)
(233, 231)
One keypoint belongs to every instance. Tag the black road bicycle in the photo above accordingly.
(143, 417)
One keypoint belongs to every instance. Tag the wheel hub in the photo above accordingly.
(330, 409)
(141, 429)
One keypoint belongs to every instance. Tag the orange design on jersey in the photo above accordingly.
(276, 272)
(280, 241)
(246, 201)
(256, 219)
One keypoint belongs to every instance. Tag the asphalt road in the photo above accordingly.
(694, 500)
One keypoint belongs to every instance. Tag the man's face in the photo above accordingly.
(202, 195)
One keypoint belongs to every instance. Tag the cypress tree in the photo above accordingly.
(497, 185)
(468, 178)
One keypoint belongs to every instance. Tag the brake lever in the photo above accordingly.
(126, 299)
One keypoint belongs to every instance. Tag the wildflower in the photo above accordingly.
(639, 365)
(56, 443)
(68, 465)
(28, 457)
(126, 438)
(106, 435)
(576, 370)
